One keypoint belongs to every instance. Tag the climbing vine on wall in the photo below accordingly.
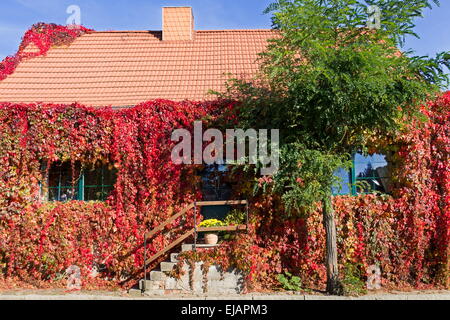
(405, 234)
(43, 36)
(423, 192)
(39, 240)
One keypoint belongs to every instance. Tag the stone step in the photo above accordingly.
(156, 292)
(151, 285)
(217, 280)
(135, 292)
(157, 275)
(190, 247)
(167, 266)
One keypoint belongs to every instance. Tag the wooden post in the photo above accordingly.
(334, 285)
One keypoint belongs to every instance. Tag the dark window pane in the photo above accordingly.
(60, 175)
(214, 187)
(109, 176)
(96, 193)
(61, 181)
(67, 194)
(98, 183)
(53, 178)
(93, 177)
(53, 194)
(63, 194)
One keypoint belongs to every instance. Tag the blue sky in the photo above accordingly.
(16, 16)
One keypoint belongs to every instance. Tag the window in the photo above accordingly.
(215, 188)
(60, 184)
(368, 174)
(98, 183)
(66, 183)
(345, 187)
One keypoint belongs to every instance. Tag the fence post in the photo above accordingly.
(145, 264)
(246, 215)
(195, 226)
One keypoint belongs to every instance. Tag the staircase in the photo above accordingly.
(216, 281)
(159, 282)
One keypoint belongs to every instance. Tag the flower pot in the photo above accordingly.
(211, 238)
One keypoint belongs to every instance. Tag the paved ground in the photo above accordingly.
(106, 295)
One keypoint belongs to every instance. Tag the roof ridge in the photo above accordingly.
(126, 31)
(235, 30)
(200, 31)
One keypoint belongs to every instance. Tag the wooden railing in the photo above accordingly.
(193, 231)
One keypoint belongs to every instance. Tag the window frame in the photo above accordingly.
(103, 186)
(353, 190)
(80, 186)
(61, 187)
(355, 179)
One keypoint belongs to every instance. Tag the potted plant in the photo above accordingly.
(211, 237)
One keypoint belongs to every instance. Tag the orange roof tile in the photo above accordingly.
(123, 68)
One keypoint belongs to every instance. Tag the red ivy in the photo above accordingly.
(407, 234)
(43, 36)
(40, 240)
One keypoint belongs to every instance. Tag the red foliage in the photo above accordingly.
(424, 192)
(39, 240)
(43, 36)
(407, 234)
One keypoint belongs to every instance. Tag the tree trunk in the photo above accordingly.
(334, 286)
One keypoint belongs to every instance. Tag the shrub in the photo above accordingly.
(290, 282)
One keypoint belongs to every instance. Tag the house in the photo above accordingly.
(124, 68)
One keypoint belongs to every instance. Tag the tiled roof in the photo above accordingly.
(123, 68)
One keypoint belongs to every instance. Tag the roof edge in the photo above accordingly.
(199, 31)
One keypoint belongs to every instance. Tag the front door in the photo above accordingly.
(214, 188)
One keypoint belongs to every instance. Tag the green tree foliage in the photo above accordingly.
(305, 176)
(330, 82)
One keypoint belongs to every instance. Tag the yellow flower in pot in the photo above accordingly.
(211, 237)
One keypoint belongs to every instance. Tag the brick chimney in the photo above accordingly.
(178, 24)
